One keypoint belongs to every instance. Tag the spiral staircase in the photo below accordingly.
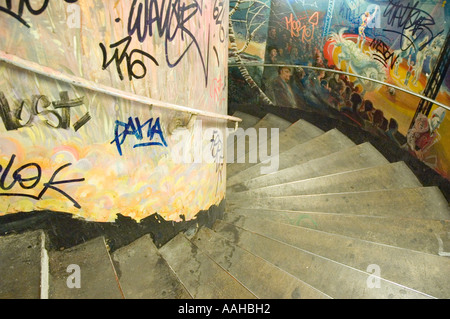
(336, 220)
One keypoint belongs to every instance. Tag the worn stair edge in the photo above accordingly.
(85, 271)
(330, 142)
(233, 156)
(420, 202)
(388, 176)
(265, 280)
(144, 274)
(200, 275)
(298, 132)
(337, 280)
(410, 233)
(426, 273)
(45, 267)
(247, 120)
(356, 157)
(236, 158)
(288, 137)
(23, 274)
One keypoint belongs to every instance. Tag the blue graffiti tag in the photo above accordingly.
(134, 127)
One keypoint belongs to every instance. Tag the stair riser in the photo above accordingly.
(392, 176)
(144, 274)
(287, 137)
(333, 278)
(424, 203)
(264, 279)
(83, 272)
(22, 266)
(421, 235)
(358, 157)
(201, 276)
(322, 145)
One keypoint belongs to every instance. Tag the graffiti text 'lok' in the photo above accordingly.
(28, 177)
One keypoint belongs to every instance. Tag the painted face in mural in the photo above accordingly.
(272, 33)
(421, 124)
(273, 53)
(285, 74)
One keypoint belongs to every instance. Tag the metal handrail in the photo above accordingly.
(80, 82)
(344, 73)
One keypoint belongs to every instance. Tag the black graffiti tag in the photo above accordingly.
(169, 19)
(35, 174)
(18, 12)
(383, 53)
(414, 23)
(120, 56)
(57, 117)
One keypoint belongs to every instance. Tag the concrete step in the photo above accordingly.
(83, 272)
(333, 278)
(201, 276)
(298, 132)
(240, 155)
(388, 176)
(265, 280)
(420, 202)
(416, 273)
(356, 157)
(247, 120)
(325, 144)
(270, 120)
(410, 233)
(23, 265)
(144, 274)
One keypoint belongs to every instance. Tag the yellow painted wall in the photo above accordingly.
(179, 58)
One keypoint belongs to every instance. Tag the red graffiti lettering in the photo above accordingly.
(302, 27)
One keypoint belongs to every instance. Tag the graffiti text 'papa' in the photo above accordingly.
(135, 128)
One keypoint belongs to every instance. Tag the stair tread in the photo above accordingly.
(426, 273)
(264, 279)
(144, 274)
(388, 176)
(247, 120)
(300, 131)
(420, 235)
(271, 120)
(98, 278)
(420, 202)
(324, 144)
(356, 157)
(267, 122)
(21, 273)
(333, 278)
(199, 274)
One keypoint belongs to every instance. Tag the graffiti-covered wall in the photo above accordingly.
(69, 149)
(397, 42)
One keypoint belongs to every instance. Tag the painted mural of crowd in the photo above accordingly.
(282, 47)
(299, 87)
